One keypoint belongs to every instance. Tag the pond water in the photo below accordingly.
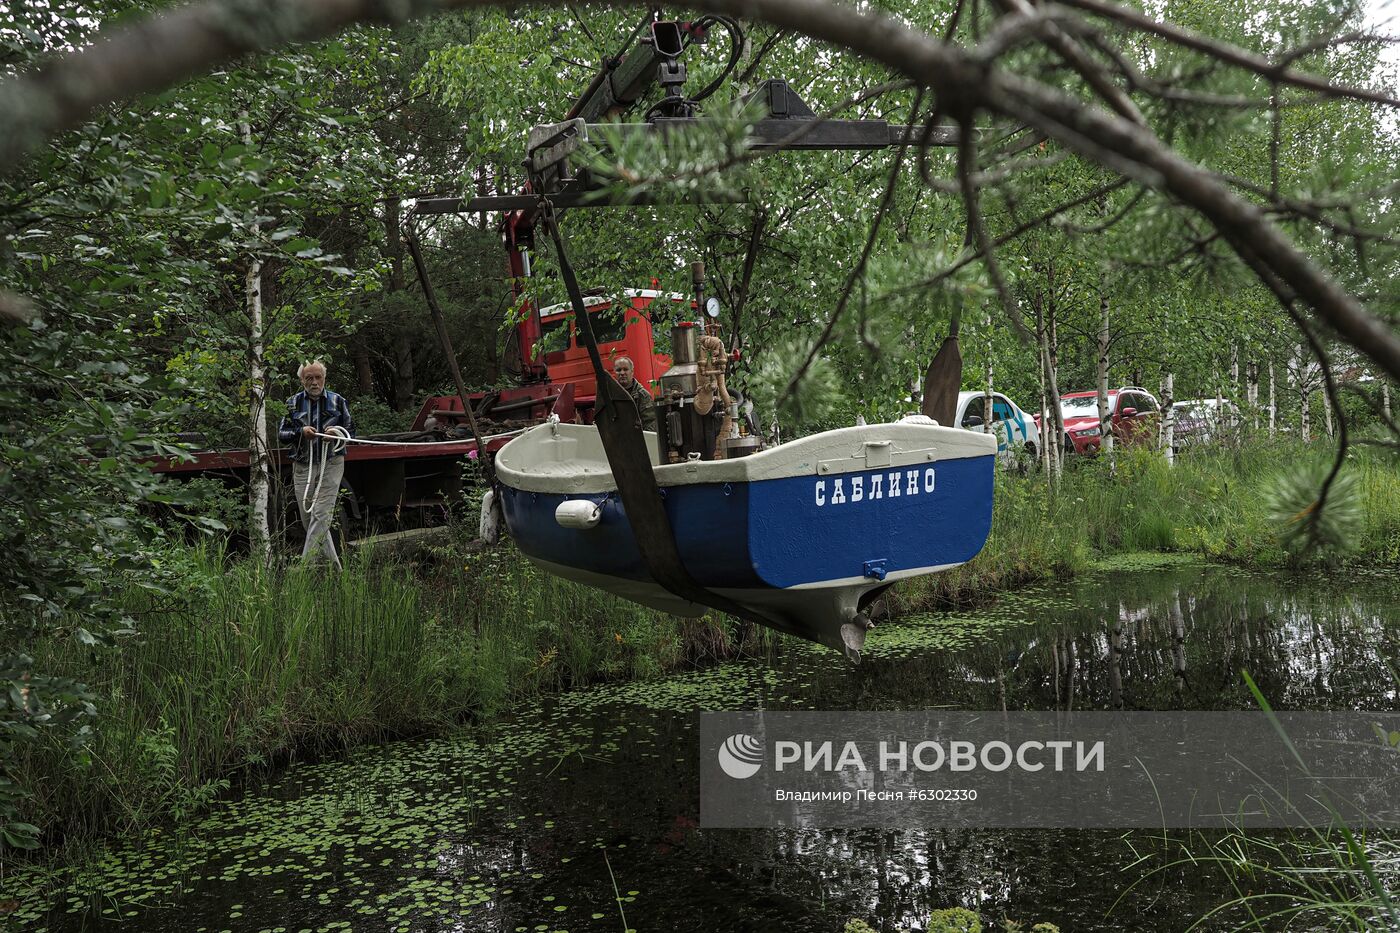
(580, 813)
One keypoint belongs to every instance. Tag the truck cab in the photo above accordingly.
(621, 329)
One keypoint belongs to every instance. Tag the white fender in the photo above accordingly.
(491, 522)
(578, 513)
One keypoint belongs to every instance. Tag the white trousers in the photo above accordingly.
(318, 517)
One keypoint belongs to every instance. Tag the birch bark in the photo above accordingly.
(259, 457)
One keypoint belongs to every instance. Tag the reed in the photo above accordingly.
(1213, 502)
(250, 667)
(1330, 877)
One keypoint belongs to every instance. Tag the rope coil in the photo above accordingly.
(332, 443)
(455, 440)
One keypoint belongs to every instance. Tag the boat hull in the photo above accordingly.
(801, 537)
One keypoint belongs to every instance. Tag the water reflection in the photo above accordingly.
(1165, 641)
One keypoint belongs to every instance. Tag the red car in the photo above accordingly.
(1133, 417)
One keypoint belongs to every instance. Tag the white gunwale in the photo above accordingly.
(568, 459)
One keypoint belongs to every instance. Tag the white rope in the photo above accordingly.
(333, 442)
(460, 440)
(334, 439)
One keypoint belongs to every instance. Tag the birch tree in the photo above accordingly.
(259, 457)
(1168, 423)
(1101, 373)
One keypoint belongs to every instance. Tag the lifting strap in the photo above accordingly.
(620, 429)
(411, 237)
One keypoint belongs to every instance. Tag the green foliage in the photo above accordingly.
(1304, 527)
(954, 920)
(857, 926)
(962, 920)
(373, 416)
(76, 419)
(817, 397)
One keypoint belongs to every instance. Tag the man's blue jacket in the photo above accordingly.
(328, 411)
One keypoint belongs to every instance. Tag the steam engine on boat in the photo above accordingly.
(698, 417)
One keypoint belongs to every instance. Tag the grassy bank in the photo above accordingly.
(246, 667)
(1213, 502)
(249, 667)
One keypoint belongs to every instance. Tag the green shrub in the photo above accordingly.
(954, 920)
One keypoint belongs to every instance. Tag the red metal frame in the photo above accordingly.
(518, 234)
(238, 460)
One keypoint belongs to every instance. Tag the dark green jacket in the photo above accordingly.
(646, 405)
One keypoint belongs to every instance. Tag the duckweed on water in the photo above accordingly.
(1139, 561)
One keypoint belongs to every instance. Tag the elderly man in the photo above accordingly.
(646, 407)
(316, 462)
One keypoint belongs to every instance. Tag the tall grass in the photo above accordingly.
(250, 666)
(1316, 877)
(1212, 502)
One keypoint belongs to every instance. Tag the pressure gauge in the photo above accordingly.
(712, 307)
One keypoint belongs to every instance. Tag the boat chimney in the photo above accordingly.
(697, 282)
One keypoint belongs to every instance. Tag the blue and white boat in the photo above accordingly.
(805, 533)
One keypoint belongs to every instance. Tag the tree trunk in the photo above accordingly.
(1218, 416)
(1168, 420)
(741, 294)
(1042, 355)
(259, 457)
(1327, 413)
(1385, 396)
(1273, 403)
(1105, 421)
(1306, 415)
(482, 190)
(405, 384)
(1251, 392)
(1052, 376)
(987, 426)
(405, 381)
(364, 373)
